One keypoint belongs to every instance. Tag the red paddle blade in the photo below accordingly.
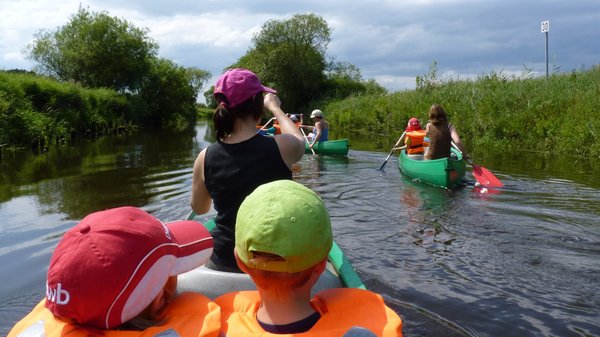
(485, 177)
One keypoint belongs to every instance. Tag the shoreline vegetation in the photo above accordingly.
(39, 111)
(558, 113)
(119, 83)
(494, 111)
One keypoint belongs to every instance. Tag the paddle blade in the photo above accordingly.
(485, 177)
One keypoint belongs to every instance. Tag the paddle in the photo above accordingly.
(267, 123)
(482, 174)
(392, 151)
(307, 142)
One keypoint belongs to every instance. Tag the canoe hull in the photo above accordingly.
(445, 172)
(331, 147)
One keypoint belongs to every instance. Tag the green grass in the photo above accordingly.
(559, 113)
(36, 110)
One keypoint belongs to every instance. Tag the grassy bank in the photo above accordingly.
(559, 113)
(39, 111)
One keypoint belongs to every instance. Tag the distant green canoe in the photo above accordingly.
(445, 172)
(333, 147)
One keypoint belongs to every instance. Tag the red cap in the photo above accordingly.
(112, 265)
(238, 85)
(413, 125)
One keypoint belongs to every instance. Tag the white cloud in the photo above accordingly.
(391, 41)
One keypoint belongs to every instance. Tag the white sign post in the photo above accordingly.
(545, 28)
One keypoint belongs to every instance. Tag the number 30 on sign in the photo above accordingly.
(545, 26)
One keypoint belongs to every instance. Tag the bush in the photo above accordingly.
(557, 113)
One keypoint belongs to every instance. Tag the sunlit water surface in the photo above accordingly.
(520, 261)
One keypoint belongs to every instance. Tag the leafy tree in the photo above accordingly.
(197, 78)
(211, 102)
(96, 50)
(345, 79)
(344, 70)
(290, 56)
(169, 92)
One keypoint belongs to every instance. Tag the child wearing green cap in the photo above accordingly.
(283, 236)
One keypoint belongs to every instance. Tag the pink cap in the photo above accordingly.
(238, 85)
(112, 265)
(413, 125)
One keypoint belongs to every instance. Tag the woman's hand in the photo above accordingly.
(272, 102)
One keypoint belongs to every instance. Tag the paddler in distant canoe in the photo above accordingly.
(320, 131)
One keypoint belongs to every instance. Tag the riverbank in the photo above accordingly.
(496, 111)
(41, 112)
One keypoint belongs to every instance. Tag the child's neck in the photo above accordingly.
(294, 307)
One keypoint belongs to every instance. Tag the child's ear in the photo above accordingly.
(239, 262)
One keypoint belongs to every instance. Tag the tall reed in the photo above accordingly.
(559, 114)
(39, 111)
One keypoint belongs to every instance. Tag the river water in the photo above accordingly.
(523, 260)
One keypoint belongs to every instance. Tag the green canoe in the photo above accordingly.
(213, 283)
(445, 172)
(334, 147)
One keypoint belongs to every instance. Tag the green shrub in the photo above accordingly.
(558, 113)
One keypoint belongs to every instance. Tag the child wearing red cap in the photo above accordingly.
(413, 125)
(230, 169)
(415, 136)
(283, 237)
(115, 272)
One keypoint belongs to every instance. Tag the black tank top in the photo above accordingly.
(232, 172)
(439, 141)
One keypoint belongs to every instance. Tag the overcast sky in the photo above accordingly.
(391, 41)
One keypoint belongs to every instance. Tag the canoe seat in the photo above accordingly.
(418, 156)
(213, 283)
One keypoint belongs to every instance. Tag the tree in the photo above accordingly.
(211, 102)
(170, 95)
(290, 56)
(96, 50)
(197, 78)
(345, 79)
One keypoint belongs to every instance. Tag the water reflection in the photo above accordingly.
(521, 260)
(105, 173)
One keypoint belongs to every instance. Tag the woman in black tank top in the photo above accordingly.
(241, 160)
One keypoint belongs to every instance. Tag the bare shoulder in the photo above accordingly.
(199, 163)
(290, 147)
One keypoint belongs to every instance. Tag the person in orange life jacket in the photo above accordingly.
(441, 134)
(230, 169)
(320, 131)
(414, 137)
(283, 237)
(115, 272)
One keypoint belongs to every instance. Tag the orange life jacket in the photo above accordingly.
(415, 141)
(277, 128)
(340, 309)
(190, 314)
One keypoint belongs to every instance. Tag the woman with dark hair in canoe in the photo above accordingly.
(441, 134)
(230, 169)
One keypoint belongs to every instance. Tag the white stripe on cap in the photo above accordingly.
(148, 288)
(187, 263)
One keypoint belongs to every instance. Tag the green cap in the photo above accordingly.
(286, 219)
